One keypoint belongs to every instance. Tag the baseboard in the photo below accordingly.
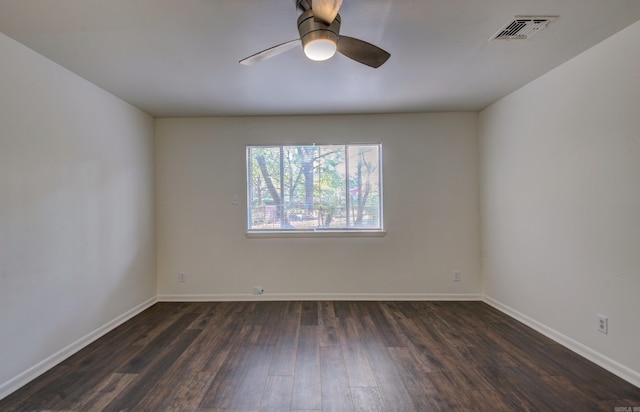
(25, 377)
(607, 363)
(318, 296)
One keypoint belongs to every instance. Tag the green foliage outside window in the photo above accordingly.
(314, 187)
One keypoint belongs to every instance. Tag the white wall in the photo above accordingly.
(560, 201)
(77, 234)
(430, 211)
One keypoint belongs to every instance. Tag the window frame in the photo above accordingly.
(316, 231)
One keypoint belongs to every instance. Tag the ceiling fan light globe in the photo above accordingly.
(320, 49)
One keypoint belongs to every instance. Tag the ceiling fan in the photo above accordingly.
(319, 28)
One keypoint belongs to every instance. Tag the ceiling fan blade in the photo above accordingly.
(270, 52)
(362, 52)
(326, 10)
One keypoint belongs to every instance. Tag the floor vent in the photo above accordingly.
(522, 27)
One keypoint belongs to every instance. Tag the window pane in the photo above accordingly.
(364, 184)
(299, 200)
(319, 187)
(329, 187)
(264, 192)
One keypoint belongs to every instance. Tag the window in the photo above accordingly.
(314, 188)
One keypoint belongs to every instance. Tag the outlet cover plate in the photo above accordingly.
(603, 324)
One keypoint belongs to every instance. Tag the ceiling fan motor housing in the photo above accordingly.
(311, 29)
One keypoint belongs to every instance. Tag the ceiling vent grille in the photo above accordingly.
(522, 27)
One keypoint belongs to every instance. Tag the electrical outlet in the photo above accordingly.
(257, 290)
(456, 276)
(182, 277)
(603, 324)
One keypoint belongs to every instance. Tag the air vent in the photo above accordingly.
(522, 27)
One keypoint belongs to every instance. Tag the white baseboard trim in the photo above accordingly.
(607, 363)
(41, 367)
(318, 296)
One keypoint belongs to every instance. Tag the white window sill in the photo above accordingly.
(315, 233)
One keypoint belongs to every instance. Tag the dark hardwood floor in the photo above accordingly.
(324, 356)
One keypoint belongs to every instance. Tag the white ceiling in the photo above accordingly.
(180, 57)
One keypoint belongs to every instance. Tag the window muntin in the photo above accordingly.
(311, 188)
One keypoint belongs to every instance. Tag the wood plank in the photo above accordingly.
(342, 309)
(580, 371)
(171, 391)
(528, 353)
(162, 320)
(307, 382)
(523, 389)
(74, 387)
(441, 354)
(580, 399)
(231, 369)
(392, 389)
(336, 394)
(171, 386)
(189, 392)
(90, 366)
(425, 352)
(136, 328)
(400, 310)
(328, 322)
(153, 372)
(423, 393)
(356, 362)
(209, 314)
(394, 393)
(277, 394)
(220, 339)
(273, 321)
(285, 352)
(249, 388)
(367, 400)
(25, 398)
(152, 350)
(105, 392)
(309, 315)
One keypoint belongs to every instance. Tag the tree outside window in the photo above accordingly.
(314, 187)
